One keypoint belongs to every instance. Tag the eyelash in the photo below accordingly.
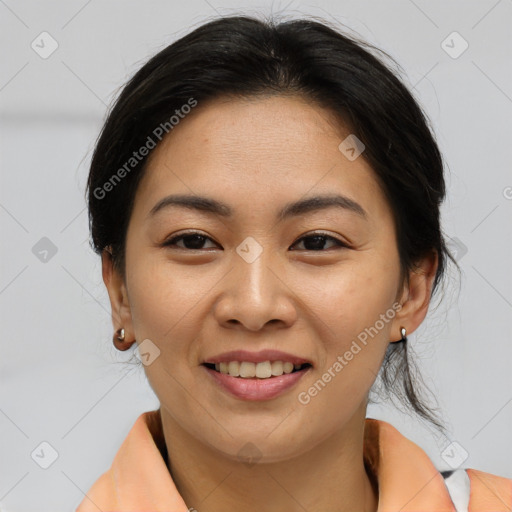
(172, 241)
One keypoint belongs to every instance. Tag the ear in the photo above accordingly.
(415, 296)
(121, 312)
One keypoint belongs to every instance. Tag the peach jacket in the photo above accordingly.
(138, 479)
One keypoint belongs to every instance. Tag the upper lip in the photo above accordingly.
(256, 357)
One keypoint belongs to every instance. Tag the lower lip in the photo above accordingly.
(254, 388)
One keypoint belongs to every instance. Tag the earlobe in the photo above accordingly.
(123, 337)
(416, 295)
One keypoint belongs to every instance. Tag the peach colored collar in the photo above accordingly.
(138, 478)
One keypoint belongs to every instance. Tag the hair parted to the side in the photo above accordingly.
(244, 57)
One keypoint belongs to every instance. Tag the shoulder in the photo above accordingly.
(489, 492)
(100, 491)
(404, 468)
(472, 490)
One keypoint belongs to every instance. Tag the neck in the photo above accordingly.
(331, 477)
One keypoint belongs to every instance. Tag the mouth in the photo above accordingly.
(257, 371)
(249, 381)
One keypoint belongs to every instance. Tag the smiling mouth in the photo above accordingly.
(263, 370)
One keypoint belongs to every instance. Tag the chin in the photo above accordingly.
(258, 447)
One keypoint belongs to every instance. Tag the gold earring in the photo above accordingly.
(119, 334)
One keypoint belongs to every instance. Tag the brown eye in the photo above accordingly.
(191, 241)
(317, 242)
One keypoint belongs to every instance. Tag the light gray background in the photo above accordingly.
(62, 381)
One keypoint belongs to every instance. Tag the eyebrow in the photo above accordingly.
(212, 206)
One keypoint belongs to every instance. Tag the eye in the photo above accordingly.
(191, 240)
(316, 241)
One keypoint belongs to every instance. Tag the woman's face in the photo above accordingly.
(255, 281)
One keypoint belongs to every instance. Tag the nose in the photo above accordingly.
(255, 294)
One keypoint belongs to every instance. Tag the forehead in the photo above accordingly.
(258, 152)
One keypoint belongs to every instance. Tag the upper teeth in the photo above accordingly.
(246, 369)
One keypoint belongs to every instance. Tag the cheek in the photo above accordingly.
(165, 304)
(352, 300)
(357, 313)
(164, 299)
(354, 338)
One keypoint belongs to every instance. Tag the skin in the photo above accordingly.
(257, 155)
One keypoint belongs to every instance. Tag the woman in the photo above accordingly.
(265, 199)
